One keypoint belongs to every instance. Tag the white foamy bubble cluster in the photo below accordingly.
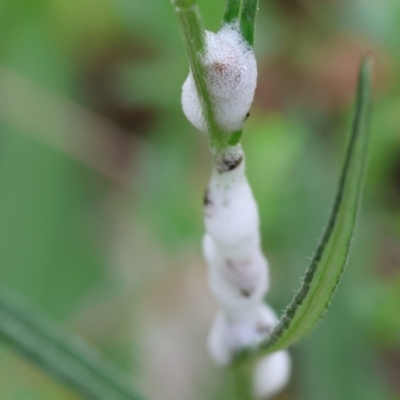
(233, 216)
(229, 334)
(238, 273)
(237, 282)
(272, 374)
(231, 76)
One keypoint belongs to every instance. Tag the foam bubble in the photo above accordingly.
(230, 334)
(231, 216)
(272, 374)
(238, 283)
(231, 80)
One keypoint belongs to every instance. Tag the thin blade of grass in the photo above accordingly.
(324, 273)
(63, 355)
(232, 10)
(248, 20)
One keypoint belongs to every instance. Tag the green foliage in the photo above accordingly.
(246, 12)
(232, 10)
(323, 275)
(60, 222)
(248, 20)
(64, 356)
(325, 271)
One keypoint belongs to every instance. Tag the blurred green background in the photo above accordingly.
(102, 178)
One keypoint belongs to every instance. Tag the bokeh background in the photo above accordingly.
(102, 178)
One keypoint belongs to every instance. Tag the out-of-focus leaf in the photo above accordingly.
(323, 275)
(61, 354)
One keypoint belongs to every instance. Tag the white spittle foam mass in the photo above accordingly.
(232, 213)
(238, 273)
(231, 77)
(229, 334)
(238, 269)
(238, 283)
(272, 374)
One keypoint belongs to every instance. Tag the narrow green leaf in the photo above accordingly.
(235, 138)
(323, 275)
(248, 20)
(246, 12)
(63, 355)
(232, 10)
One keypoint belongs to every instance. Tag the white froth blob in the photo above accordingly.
(238, 271)
(238, 282)
(232, 216)
(272, 375)
(229, 333)
(231, 80)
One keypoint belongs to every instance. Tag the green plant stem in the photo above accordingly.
(65, 356)
(241, 381)
(193, 35)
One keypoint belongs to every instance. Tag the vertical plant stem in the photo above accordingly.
(193, 35)
(224, 145)
(242, 385)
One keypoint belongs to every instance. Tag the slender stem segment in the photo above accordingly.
(193, 35)
(242, 374)
(63, 355)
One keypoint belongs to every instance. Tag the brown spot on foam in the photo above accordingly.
(227, 69)
(263, 329)
(208, 204)
(229, 163)
(246, 292)
(206, 199)
(236, 266)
